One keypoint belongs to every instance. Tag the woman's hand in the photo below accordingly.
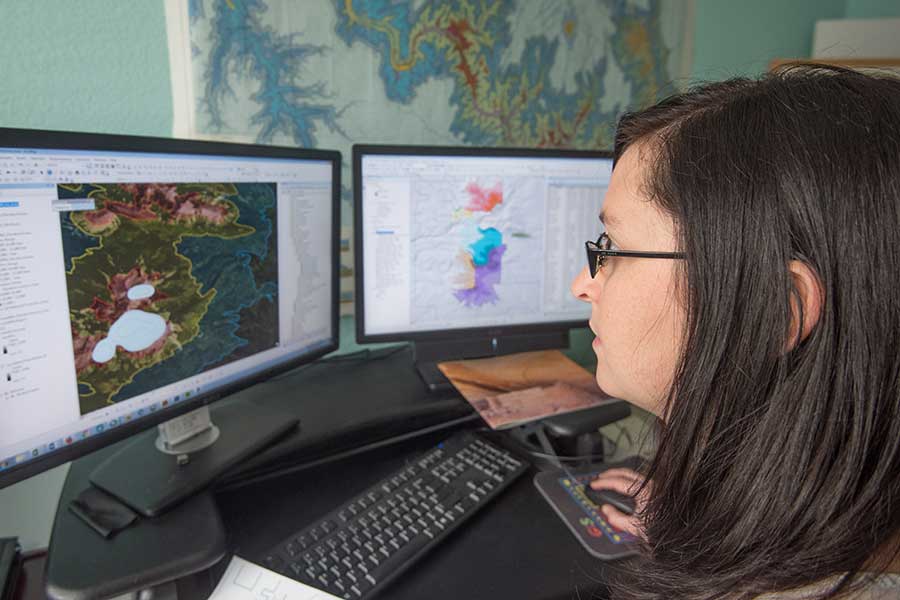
(623, 481)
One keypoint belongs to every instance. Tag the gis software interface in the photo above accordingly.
(455, 242)
(130, 282)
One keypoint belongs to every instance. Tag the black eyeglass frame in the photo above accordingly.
(597, 254)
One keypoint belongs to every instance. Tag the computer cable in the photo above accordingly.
(366, 354)
(359, 356)
(280, 471)
(565, 458)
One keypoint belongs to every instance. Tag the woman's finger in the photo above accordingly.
(623, 473)
(619, 520)
(623, 485)
(617, 485)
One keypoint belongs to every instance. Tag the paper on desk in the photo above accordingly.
(517, 388)
(244, 580)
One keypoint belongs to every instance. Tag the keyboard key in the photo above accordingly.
(407, 551)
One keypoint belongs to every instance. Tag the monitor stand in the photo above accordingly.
(141, 560)
(427, 354)
(160, 469)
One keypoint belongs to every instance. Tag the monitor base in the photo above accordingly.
(151, 481)
(82, 565)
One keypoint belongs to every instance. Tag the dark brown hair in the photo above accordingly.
(776, 468)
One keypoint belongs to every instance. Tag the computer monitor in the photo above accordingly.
(144, 278)
(471, 251)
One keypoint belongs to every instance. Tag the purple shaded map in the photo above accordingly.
(484, 258)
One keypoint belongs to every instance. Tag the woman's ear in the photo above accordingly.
(807, 300)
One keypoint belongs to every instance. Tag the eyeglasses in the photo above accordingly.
(598, 251)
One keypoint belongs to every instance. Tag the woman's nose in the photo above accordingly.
(580, 285)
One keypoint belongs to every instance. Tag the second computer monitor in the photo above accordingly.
(472, 245)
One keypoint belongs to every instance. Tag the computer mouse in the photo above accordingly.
(601, 497)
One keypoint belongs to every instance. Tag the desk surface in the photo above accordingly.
(516, 547)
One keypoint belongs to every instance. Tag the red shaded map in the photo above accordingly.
(482, 199)
(164, 198)
(167, 199)
(109, 312)
(118, 287)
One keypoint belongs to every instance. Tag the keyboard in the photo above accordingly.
(355, 551)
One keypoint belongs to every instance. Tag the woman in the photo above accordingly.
(764, 333)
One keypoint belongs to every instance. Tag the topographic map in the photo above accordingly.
(473, 246)
(330, 73)
(166, 281)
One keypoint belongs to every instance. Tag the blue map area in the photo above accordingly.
(242, 43)
(400, 85)
(481, 249)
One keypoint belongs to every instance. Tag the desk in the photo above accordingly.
(516, 547)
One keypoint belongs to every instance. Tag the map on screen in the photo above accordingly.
(165, 281)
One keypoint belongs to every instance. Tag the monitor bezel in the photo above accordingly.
(69, 140)
(361, 150)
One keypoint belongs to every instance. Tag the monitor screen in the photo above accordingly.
(450, 240)
(141, 278)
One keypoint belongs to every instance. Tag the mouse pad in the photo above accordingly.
(582, 516)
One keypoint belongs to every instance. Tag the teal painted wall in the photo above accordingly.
(736, 37)
(93, 65)
(870, 9)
